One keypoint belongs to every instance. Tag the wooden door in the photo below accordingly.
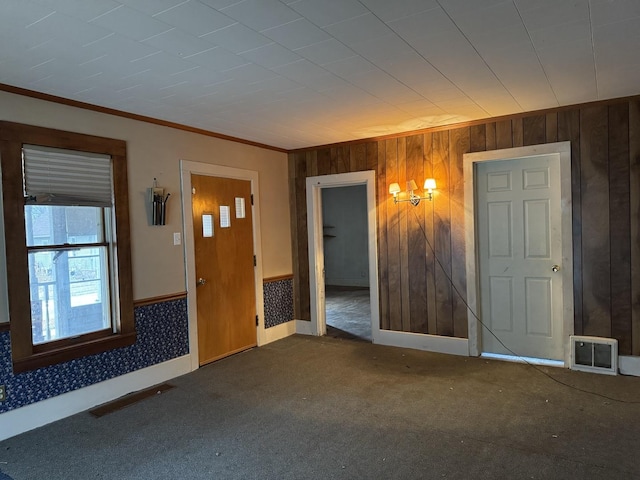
(520, 252)
(225, 292)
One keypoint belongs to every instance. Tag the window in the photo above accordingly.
(69, 280)
(65, 204)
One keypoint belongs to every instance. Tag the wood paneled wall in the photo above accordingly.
(421, 251)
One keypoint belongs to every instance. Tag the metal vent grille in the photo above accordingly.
(594, 354)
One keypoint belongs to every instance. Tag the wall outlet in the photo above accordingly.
(3, 393)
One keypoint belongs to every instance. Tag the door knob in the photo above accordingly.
(555, 268)
(201, 281)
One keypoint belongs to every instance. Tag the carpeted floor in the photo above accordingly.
(323, 408)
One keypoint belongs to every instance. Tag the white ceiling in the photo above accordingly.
(301, 73)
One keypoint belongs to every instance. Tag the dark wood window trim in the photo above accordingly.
(163, 298)
(12, 137)
(278, 278)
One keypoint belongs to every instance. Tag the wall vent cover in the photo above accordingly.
(594, 354)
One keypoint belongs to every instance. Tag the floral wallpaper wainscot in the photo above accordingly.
(162, 334)
(278, 302)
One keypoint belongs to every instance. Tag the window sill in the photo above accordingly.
(67, 353)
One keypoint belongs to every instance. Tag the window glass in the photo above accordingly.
(59, 225)
(69, 282)
(69, 293)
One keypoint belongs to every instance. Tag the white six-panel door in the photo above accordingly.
(520, 256)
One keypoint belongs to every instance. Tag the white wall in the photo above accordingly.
(346, 260)
(155, 151)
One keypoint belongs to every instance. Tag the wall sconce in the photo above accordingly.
(429, 186)
(158, 202)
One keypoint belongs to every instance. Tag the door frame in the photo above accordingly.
(186, 169)
(316, 245)
(470, 160)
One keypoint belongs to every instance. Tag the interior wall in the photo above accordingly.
(421, 250)
(344, 215)
(155, 152)
(158, 265)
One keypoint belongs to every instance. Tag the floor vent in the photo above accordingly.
(594, 354)
(127, 400)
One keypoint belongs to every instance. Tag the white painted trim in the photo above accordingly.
(629, 365)
(316, 245)
(316, 260)
(186, 169)
(429, 343)
(303, 327)
(526, 360)
(279, 332)
(41, 413)
(563, 150)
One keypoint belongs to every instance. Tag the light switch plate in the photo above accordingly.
(176, 238)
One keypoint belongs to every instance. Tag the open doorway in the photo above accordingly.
(346, 262)
(317, 241)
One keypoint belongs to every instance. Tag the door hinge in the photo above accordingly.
(255, 261)
(257, 322)
(252, 199)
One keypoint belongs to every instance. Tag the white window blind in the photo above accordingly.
(55, 176)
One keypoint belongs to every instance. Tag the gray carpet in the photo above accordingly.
(322, 408)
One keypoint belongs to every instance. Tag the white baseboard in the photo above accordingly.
(303, 327)
(419, 341)
(279, 332)
(526, 360)
(38, 414)
(629, 365)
